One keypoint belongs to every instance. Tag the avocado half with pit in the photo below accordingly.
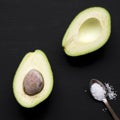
(88, 31)
(33, 81)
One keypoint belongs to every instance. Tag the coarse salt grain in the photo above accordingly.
(110, 91)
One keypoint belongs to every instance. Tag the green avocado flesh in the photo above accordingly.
(33, 81)
(88, 31)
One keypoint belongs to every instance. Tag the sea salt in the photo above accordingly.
(85, 90)
(104, 109)
(110, 91)
(98, 92)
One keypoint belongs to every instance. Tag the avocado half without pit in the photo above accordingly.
(88, 31)
(33, 80)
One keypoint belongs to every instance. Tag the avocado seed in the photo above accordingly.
(33, 82)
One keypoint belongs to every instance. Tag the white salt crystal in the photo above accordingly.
(85, 90)
(104, 109)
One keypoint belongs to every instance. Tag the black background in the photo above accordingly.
(41, 24)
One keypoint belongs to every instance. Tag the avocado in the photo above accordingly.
(33, 80)
(88, 31)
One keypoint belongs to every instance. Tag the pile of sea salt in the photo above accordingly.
(111, 93)
(98, 92)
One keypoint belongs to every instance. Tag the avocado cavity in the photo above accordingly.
(90, 30)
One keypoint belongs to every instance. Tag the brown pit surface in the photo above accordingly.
(33, 82)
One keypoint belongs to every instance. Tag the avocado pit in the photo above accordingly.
(33, 82)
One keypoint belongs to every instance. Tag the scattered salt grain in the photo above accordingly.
(104, 109)
(110, 91)
(85, 90)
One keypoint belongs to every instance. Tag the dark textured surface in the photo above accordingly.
(41, 24)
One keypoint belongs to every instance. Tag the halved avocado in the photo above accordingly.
(33, 80)
(88, 31)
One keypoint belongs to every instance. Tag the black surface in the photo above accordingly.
(41, 24)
